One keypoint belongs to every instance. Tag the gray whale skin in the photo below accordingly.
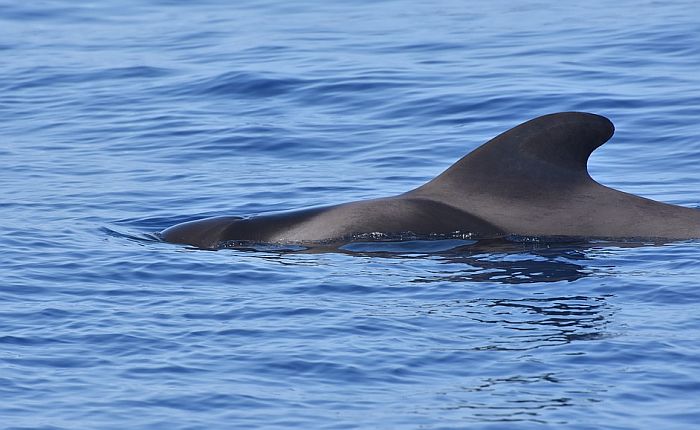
(531, 180)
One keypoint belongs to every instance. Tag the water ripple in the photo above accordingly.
(121, 119)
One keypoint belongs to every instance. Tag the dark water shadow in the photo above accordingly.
(512, 260)
(508, 262)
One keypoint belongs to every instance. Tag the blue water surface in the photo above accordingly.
(121, 118)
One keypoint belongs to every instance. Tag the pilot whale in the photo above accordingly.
(531, 180)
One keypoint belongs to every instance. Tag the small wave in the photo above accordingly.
(50, 76)
(139, 238)
(246, 84)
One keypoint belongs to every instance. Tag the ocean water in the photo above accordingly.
(120, 119)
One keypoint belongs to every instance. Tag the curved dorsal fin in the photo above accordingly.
(549, 151)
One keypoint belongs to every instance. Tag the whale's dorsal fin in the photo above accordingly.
(545, 154)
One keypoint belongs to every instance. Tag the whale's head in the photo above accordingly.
(204, 233)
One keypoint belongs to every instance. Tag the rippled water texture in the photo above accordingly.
(120, 119)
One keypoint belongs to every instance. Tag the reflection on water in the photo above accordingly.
(511, 269)
(499, 261)
(527, 323)
(537, 322)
